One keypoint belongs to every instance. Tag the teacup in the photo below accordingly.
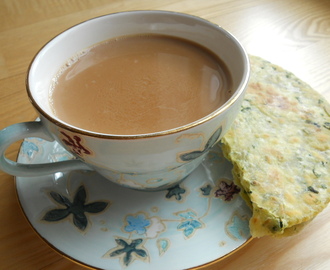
(152, 161)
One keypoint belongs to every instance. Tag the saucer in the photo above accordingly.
(101, 225)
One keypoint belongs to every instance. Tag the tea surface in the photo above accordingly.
(140, 84)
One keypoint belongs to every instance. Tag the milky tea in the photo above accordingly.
(140, 84)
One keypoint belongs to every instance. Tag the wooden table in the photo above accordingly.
(294, 34)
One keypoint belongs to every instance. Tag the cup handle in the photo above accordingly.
(23, 130)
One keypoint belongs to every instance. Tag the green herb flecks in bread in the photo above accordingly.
(280, 148)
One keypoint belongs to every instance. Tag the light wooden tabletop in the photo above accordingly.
(294, 34)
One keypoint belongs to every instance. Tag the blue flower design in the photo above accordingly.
(128, 251)
(189, 223)
(137, 223)
(206, 190)
(238, 227)
(175, 191)
(29, 148)
(77, 208)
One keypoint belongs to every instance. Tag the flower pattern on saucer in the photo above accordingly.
(238, 226)
(152, 231)
(190, 222)
(77, 208)
(176, 192)
(128, 251)
(223, 188)
(29, 148)
(137, 223)
(141, 224)
(227, 190)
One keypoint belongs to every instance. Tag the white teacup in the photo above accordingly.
(151, 161)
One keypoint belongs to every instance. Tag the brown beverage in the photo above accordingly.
(140, 84)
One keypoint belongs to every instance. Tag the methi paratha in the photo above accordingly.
(279, 145)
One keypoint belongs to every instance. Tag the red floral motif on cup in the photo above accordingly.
(75, 144)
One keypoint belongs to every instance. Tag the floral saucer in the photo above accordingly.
(105, 226)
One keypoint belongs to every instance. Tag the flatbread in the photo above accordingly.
(279, 145)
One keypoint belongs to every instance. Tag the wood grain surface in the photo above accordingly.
(294, 34)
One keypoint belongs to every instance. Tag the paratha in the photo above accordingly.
(279, 145)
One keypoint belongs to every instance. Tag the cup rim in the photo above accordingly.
(230, 102)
